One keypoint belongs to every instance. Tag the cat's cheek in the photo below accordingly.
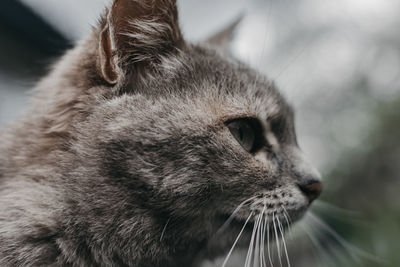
(262, 160)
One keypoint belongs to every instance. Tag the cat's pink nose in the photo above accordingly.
(311, 189)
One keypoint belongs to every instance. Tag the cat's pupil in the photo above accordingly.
(241, 133)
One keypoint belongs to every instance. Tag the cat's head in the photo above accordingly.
(186, 132)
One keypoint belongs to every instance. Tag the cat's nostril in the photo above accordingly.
(311, 189)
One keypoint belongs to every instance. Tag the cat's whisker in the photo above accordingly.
(352, 250)
(277, 239)
(284, 242)
(266, 35)
(257, 247)
(268, 247)
(261, 231)
(338, 213)
(323, 205)
(293, 59)
(287, 219)
(237, 239)
(261, 242)
(253, 254)
(257, 255)
(248, 250)
(230, 219)
(251, 244)
(320, 251)
(164, 229)
(289, 226)
(264, 263)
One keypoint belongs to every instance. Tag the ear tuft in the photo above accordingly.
(223, 39)
(136, 34)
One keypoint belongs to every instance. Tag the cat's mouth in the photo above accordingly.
(269, 213)
(272, 225)
(266, 217)
(279, 220)
(243, 232)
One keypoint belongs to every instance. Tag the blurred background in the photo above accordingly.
(338, 63)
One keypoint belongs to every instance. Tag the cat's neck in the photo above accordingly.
(139, 237)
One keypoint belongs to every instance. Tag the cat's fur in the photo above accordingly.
(124, 158)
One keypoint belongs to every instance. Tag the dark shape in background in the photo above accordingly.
(28, 45)
(26, 40)
(22, 22)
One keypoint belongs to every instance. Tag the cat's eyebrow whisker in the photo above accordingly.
(293, 59)
(284, 242)
(237, 239)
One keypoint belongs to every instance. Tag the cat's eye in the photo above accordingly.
(248, 132)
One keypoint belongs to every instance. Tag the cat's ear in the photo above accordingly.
(134, 34)
(222, 40)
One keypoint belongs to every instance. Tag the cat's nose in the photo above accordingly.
(312, 188)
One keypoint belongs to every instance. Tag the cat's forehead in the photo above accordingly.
(207, 86)
(231, 88)
(253, 101)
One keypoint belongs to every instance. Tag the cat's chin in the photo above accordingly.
(241, 231)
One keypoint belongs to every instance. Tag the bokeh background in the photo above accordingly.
(338, 63)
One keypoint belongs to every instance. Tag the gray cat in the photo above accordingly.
(139, 146)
